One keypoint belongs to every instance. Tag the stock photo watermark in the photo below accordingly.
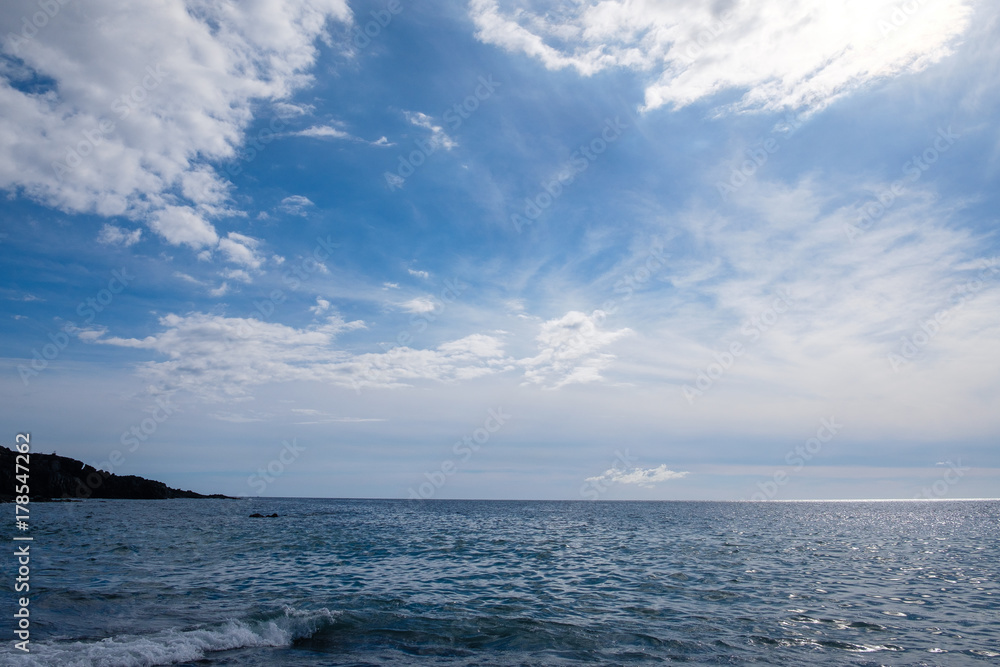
(757, 156)
(47, 10)
(579, 161)
(88, 309)
(22, 511)
(463, 450)
(296, 275)
(873, 210)
(381, 18)
(265, 475)
(122, 107)
(948, 479)
(256, 144)
(625, 286)
(899, 16)
(752, 330)
(695, 48)
(798, 457)
(913, 344)
(455, 115)
(462, 111)
(431, 310)
(593, 487)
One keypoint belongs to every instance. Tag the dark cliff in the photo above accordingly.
(53, 476)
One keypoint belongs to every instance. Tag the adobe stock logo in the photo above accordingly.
(464, 448)
(579, 161)
(363, 35)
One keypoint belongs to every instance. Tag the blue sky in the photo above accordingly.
(615, 250)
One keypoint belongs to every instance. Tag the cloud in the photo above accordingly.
(419, 274)
(236, 274)
(647, 477)
(240, 249)
(325, 132)
(112, 235)
(328, 418)
(322, 305)
(183, 225)
(852, 306)
(420, 304)
(26, 297)
(287, 110)
(141, 103)
(186, 278)
(568, 350)
(777, 54)
(334, 132)
(439, 139)
(224, 358)
(295, 205)
(235, 418)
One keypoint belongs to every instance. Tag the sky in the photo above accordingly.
(515, 250)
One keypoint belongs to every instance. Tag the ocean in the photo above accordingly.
(397, 582)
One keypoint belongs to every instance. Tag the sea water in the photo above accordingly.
(384, 582)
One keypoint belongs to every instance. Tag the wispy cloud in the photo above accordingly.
(804, 55)
(569, 350)
(295, 205)
(439, 138)
(113, 235)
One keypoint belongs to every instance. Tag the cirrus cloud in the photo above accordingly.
(780, 54)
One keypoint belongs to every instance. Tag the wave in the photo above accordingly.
(173, 646)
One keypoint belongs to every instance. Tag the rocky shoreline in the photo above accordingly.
(54, 477)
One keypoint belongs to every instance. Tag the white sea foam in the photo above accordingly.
(173, 646)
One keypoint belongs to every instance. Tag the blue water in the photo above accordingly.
(367, 582)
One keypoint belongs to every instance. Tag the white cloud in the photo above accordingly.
(236, 274)
(183, 225)
(242, 250)
(852, 306)
(335, 131)
(287, 110)
(322, 305)
(223, 358)
(324, 132)
(295, 204)
(187, 278)
(145, 99)
(639, 476)
(221, 290)
(800, 54)
(569, 350)
(439, 139)
(420, 304)
(113, 235)
(419, 274)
